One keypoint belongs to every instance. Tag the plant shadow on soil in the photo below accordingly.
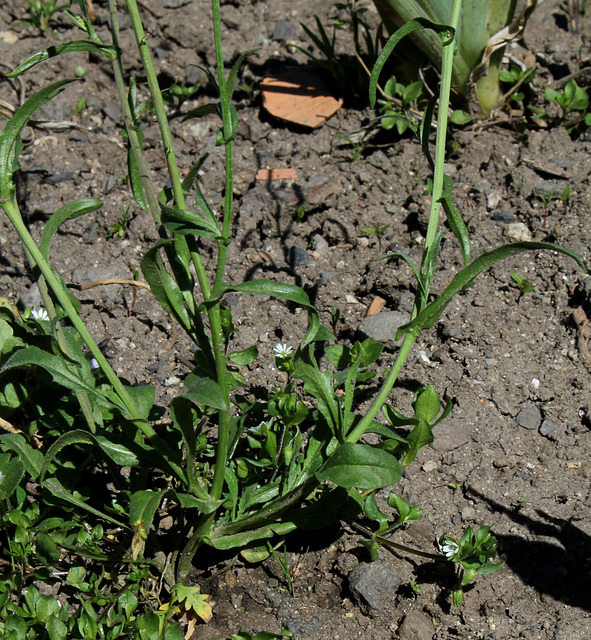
(561, 572)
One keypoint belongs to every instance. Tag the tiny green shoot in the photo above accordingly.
(119, 228)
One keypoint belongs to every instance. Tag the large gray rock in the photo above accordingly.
(373, 586)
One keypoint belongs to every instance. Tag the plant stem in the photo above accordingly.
(423, 291)
(381, 397)
(62, 297)
(440, 141)
(136, 147)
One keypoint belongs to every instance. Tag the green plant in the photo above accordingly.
(574, 104)
(41, 12)
(119, 228)
(376, 231)
(349, 72)
(297, 460)
(482, 35)
(399, 98)
(516, 78)
(472, 555)
(283, 564)
(523, 284)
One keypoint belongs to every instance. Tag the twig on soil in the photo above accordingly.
(583, 334)
(107, 281)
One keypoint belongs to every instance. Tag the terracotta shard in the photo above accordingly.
(276, 174)
(299, 97)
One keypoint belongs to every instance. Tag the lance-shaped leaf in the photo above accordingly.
(75, 46)
(10, 144)
(284, 291)
(163, 285)
(67, 212)
(430, 314)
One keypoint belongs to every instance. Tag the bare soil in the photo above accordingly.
(514, 453)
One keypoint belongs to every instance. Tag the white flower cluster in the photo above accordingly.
(40, 314)
(448, 547)
(282, 350)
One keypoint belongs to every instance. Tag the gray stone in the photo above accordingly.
(30, 298)
(283, 31)
(319, 245)
(529, 418)
(547, 427)
(383, 326)
(416, 626)
(90, 234)
(452, 434)
(373, 585)
(297, 257)
(112, 110)
(468, 514)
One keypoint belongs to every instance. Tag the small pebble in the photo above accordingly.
(518, 231)
(430, 465)
(547, 427)
(468, 514)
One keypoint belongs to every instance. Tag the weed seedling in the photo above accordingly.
(41, 12)
(119, 228)
(376, 231)
(524, 285)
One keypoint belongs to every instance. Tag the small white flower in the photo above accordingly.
(282, 350)
(40, 314)
(448, 547)
(94, 364)
(1, 475)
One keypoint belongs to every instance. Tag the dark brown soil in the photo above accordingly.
(514, 453)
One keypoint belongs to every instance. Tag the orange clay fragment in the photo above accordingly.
(276, 174)
(377, 304)
(299, 97)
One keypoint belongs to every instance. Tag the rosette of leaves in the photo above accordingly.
(484, 30)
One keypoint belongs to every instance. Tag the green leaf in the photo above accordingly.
(71, 437)
(426, 404)
(429, 316)
(59, 49)
(118, 452)
(62, 373)
(11, 472)
(47, 550)
(54, 486)
(420, 436)
(244, 357)
(163, 286)
(143, 506)
(195, 600)
(188, 222)
(56, 629)
(460, 117)
(408, 28)
(360, 466)
(67, 212)
(235, 68)
(208, 392)
(286, 292)
(32, 459)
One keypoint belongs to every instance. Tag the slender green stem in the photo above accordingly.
(382, 396)
(409, 338)
(228, 130)
(440, 142)
(157, 101)
(62, 297)
(136, 147)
